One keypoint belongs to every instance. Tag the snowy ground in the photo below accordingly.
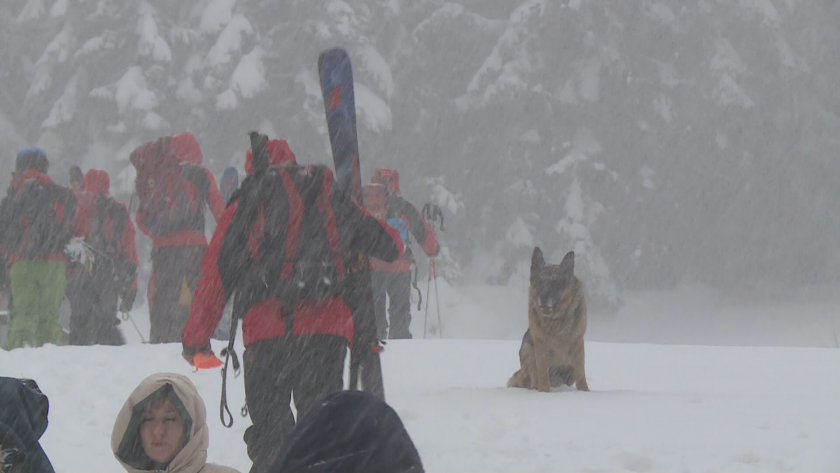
(770, 405)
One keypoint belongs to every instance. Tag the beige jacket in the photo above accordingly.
(125, 439)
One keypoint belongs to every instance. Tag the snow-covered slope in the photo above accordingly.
(653, 408)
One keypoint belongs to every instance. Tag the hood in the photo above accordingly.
(21, 179)
(96, 182)
(125, 438)
(23, 420)
(32, 158)
(349, 432)
(186, 148)
(388, 177)
(278, 153)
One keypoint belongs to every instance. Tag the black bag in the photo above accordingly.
(39, 219)
(106, 232)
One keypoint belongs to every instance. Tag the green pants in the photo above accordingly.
(37, 292)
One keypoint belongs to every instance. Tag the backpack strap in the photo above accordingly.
(196, 175)
(295, 223)
(326, 209)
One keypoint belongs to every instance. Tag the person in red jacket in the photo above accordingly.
(37, 220)
(394, 278)
(112, 273)
(176, 254)
(293, 345)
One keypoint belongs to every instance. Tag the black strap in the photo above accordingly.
(230, 356)
(414, 284)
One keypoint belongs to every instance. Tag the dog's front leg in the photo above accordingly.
(541, 360)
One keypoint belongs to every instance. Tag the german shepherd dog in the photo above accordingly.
(552, 354)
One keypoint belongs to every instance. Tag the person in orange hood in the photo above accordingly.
(177, 252)
(112, 274)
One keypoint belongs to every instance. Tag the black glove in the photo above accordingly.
(127, 300)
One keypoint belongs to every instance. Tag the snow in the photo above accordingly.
(590, 80)
(764, 9)
(249, 76)
(698, 406)
(153, 121)
(65, 107)
(229, 41)
(216, 15)
(226, 100)
(151, 43)
(59, 8)
(662, 12)
(443, 197)
(372, 110)
(512, 44)
(96, 44)
(58, 50)
(130, 92)
(520, 234)
(377, 66)
(33, 10)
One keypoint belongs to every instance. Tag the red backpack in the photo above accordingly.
(284, 238)
(164, 204)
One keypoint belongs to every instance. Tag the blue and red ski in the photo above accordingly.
(336, 74)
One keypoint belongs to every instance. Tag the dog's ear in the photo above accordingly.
(537, 260)
(567, 266)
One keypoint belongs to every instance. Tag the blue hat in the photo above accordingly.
(32, 158)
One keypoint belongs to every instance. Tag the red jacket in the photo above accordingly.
(359, 232)
(196, 178)
(77, 221)
(98, 183)
(418, 228)
(400, 208)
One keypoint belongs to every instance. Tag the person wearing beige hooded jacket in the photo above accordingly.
(156, 393)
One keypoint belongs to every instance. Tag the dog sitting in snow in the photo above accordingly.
(552, 354)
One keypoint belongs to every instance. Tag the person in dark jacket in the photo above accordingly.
(176, 255)
(349, 432)
(112, 275)
(292, 346)
(38, 220)
(394, 278)
(23, 420)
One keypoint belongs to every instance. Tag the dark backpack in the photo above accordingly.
(106, 232)
(283, 240)
(39, 219)
(164, 204)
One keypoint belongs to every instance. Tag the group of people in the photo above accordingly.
(290, 248)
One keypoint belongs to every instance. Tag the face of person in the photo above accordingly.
(162, 431)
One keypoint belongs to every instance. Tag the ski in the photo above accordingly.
(336, 76)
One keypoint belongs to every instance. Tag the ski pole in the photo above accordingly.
(127, 316)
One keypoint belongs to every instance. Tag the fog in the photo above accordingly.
(666, 142)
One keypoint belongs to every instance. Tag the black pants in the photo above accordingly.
(397, 286)
(93, 305)
(309, 367)
(169, 307)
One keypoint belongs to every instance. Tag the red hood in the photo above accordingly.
(278, 153)
(96, 182)
(389, 177)
(30, 174)
(186, 147)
